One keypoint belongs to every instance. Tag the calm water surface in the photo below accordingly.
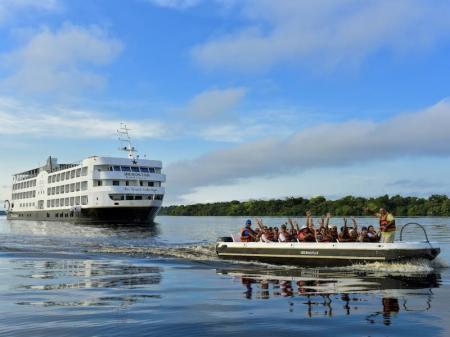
(60, 279)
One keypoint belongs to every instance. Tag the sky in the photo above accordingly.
(240, 99)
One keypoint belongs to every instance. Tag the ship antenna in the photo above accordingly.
(124, 136)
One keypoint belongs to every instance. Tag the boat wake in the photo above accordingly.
(204, 252)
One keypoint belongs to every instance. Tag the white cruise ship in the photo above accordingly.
(97, 189)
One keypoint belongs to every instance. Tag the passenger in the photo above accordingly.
(294, 230)
(387, 225)
(311, 229)
(267, 235)
(275, 233)
(258, 234)
(363, 235)
(372, 234)
(334, 233)
(305, 235)
(324, 236)
(247, 233)
(353, 232)
(320, 231)
(344, 235)
(284, 235)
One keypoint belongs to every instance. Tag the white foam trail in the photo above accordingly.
(407, 267)
(191, 252)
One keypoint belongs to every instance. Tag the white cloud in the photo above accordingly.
(37, 121)
(423, 133)
(176, 4)
(61, 61)
(215, 104)
(9, 8)
(325, 33)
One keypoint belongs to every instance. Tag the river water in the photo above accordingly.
(59, 279)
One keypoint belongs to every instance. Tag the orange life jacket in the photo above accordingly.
(384, 224)
(245, 235)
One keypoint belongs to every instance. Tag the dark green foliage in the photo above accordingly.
(435, 205)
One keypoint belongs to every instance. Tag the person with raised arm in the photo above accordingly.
(387, 225)
(353, 232)
(294, 230)
(266, 233)
(344, 236)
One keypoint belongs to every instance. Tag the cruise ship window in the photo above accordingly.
(129, 197)
(116, 183)
(72, 187)
(57, 203)
(53, 202)
(141, 183)
(84, 171)
(48, 203)
(66, 188)
(58, 177)
(72, 201)
(53, 191)
(150, 197)
(84, 200)
(77, 187)
(151, 170)
(53, 178)
(127, 183)
(99, 183)
(66, 202)
(34, 194)
(138, 197)
(61, 202)
(150, 183)
(157, 170)
(77, 201)
(57, 190)
(144, 169)
(49, 191)
(67, 175)
(116, 168)
(125, 168)
(63, 176)
(72, 174)
(84, 186)
(134, 169)
(78, 172)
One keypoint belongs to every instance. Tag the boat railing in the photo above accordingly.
(415, 224)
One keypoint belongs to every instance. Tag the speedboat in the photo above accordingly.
(325, 254)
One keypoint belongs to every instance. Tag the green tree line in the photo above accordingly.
(435, 205)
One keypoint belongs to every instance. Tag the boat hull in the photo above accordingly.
(106, 215)
(325, 254)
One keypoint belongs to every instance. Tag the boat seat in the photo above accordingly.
(236, 237)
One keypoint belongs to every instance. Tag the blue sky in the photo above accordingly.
(240, 99)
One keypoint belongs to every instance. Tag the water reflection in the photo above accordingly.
(322, 292)
(47, 228)
(67, 280)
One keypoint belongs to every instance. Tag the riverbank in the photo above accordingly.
(435, 205)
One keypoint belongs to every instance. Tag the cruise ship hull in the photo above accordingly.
(99, 215)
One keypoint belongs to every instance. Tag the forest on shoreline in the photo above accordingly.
(435, 205)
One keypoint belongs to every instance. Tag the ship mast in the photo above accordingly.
(124, 136)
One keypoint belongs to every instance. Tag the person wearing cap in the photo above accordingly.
(247, 233)
(305, 235)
